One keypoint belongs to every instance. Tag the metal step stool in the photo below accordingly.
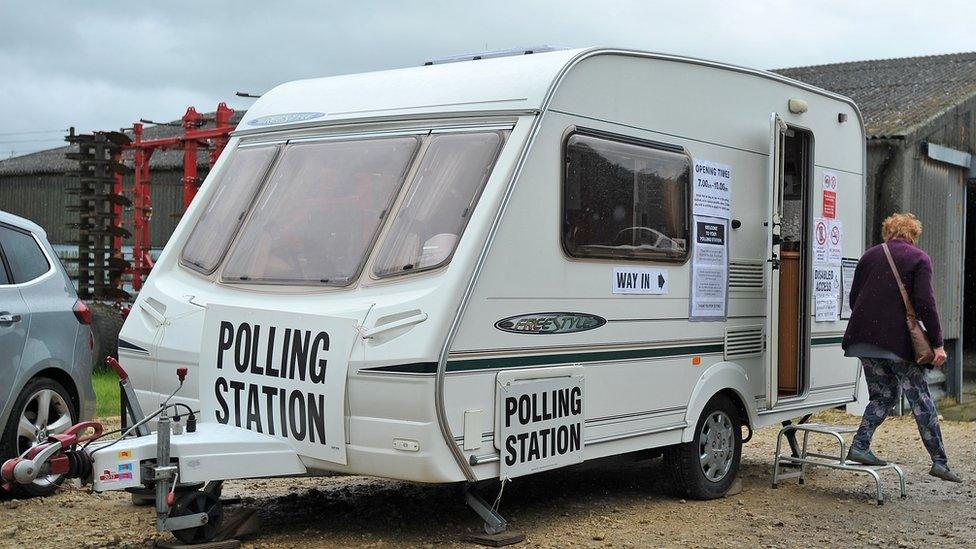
(807, 458)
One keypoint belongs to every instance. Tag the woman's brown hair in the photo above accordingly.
(901, 225)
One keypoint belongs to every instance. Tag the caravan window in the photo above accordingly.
(320, 211)
(625, 199)
(218, 224)
(439, 202)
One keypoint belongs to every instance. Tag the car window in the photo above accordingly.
(4, 279)
(24, 256)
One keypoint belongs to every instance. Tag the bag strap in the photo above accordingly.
(901, 287)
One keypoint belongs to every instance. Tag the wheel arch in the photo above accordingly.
(726, 378)
(65, 380)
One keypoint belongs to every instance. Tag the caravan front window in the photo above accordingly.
(237, 183)
(439, 202)
(320, 211)
(624, 199)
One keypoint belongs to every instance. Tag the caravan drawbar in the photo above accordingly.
(485, 269)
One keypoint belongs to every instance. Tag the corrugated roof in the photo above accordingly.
(897, 95)
(54, 160)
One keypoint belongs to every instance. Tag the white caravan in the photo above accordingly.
(483, 269)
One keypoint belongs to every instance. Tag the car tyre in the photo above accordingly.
(61, 414)
(106, 325)
(706, 467)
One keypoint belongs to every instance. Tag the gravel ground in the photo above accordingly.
(613, 503)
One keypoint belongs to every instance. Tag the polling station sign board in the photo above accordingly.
(540, 424)
(278, 373)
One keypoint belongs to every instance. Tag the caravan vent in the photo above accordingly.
(745, 274)
(744, 341)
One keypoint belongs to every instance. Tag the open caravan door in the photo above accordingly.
(774, 187)
(281, 373)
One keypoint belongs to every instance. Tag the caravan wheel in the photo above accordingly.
(706, 467)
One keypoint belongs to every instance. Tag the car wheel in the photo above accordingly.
(706, 467)
(44, 407)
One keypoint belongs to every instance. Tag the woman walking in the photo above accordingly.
(877, 334)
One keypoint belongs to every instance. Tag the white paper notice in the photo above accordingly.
(713, 189)
(821, 237)
(835, 234)
(635, 280)
(847, 267)
(826, 280)
(826, 290)
(826, 308)
(709, 269)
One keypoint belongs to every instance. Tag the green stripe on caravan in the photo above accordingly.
(546, 360)
(821, 341)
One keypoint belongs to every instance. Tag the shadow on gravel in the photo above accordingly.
(356, 505)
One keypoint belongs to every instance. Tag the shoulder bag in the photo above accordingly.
(916, 330)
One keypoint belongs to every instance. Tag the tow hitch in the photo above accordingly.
(173, 463)
(58, 456)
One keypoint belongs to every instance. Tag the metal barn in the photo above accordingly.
(32, 186)
(919, 118)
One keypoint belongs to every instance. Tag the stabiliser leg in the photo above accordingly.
(496, 529)
(494, 522)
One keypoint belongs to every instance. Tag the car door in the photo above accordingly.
(14, 320)
(50, 298)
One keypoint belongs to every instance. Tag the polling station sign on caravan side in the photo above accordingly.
(278, 373)
(540, 424)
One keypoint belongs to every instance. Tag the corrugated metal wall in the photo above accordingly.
(938, 198)
(41, 198)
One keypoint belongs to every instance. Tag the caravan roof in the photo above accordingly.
(500, 84)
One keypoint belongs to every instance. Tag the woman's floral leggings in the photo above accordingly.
(884, 377)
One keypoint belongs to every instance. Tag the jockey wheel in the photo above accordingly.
(194, 502)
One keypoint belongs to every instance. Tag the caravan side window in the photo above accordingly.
(625, 199)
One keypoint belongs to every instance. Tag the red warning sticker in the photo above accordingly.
(830, 204)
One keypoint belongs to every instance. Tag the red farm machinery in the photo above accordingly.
(113, 186)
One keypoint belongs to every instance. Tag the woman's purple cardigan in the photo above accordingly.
(878, 313)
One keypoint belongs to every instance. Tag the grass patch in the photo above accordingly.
(106, 386)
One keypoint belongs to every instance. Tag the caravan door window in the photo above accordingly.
(623, 199)
(438, 203)
(320, 211)
(218, 224)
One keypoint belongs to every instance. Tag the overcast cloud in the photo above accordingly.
(103, 65)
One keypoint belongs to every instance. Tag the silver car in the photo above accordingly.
(45, 345)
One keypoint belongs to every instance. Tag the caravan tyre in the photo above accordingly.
(706, 467)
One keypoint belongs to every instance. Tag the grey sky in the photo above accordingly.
(103, 65)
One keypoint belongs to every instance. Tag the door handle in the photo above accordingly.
(8, 318)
